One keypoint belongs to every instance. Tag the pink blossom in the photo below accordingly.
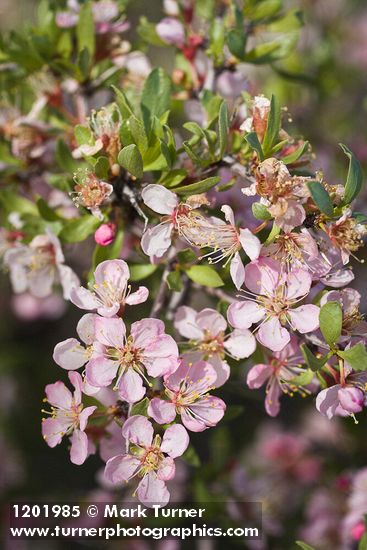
(72, 355)
(105, 234)
(172, 31)
(206, 331)
(148, 347)
(272, 297)
(68, 417)
(226, 241)
(110, 292)
(343, 399)
(346, 235)
(278, 373)
(38, 266)
(151, 458)
(90, 192)
(187, 390)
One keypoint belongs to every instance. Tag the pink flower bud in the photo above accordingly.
(105, 234)
(358, 531)
(170, 30)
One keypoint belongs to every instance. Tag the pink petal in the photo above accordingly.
(137, 297)
(263, 276)
(100, 371)
(250, 244)
(110, 332)
(293, 217)
(206, 413)
(272, 399)
(221, 368)
(157, 240)
(52, 430)
(175, 441)
(305, 318)
(58, 395)
(327, 401)
(166, 469)
(152, 490)
(70, 355)
(351, 399)
(211, 321)
(79, 447)
(272, 335)
(242, 315)
(131, 387)
(86, 328)
(121, 468)
(258, 375)
(237, 271)
(185, 323)
(83, 298)
(84, 415)
(298, 283)
(138, 430)
(171, 30)
(146, 331)
(115, 273)
(241, 343)
(228, 214)
(161, 411)
(159, 199)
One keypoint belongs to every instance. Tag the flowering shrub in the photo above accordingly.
(187, 182)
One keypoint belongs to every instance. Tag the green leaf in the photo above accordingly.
(204, 275)
(174, 281)
(173, 178)
(293, 157)
(13, 202)
(356, 356)
(84, 63)
(123, 103)
(78, 229)
(46, 212)
(101, 168)
(315, 363)
(223, 128)
(273, 127)
(275, 230)
(198, 187)
(255, 144)
(264, 10)
(260, 211)
(191, 457)
(140, 408)
(156, 95)
(130, 159)
(302, 379)
(321, 197)
(304, 545)
(354, 181)
(110, 252)
(64, 157)
(138, 133)
(138, 272)
(331, 320)
(85, 30)
(83, 134)
(236, 42)
(186, 256)
(363, 542)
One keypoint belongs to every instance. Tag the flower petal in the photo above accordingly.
(272, 335)
(152, 490)
(157, 240)
(241, 343)
(159, 199)
(250, 244)
(237, 271)
(161, 411)
(131, 387)
(175, 441)
(70, 354)
(79, 447)
(258, 375)
(138, 430)
(305, 318)
(121, 468)
(185, 323)
(242, 315)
